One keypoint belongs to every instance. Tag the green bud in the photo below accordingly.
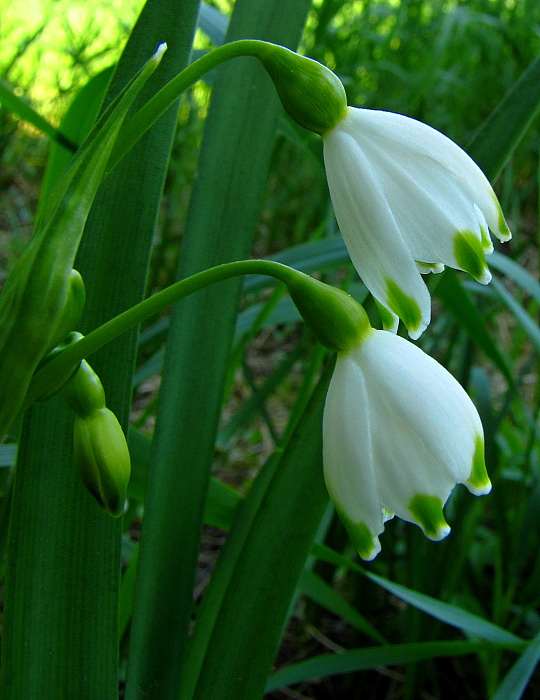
(310, 93)
(337, 320)
(84, 393)
(102, 456)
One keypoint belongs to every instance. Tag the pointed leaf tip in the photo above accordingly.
(159, 52)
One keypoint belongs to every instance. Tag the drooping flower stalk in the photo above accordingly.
(391, 417)
(408, 200)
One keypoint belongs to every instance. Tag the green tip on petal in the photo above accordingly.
(470, 256)
(487, 244)
(503, 234)
(405, 307)
(425, 268)
(388, 319)
(478, 483)
(427, 512)
(367, 545)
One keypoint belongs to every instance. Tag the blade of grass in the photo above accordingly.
(457, 300)
(233, 164)
(513, 270)
(529, 325)
(322, 593)
(496, 139)
(518, 676)
(76, 124)
(23, 110)
(451, 614)
(371, 657)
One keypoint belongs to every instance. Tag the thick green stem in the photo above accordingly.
(65, 362)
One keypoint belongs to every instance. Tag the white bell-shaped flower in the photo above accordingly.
(408, 201)
(399, 433)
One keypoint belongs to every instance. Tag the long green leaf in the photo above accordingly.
(469, 623)
(249, 597)
(371, 657)
(513, 270)
(77, 124)
(518, 676)
(496, 139)
(457, 300)
(322, 593)
(529, 325)
(64, 559)
(233, 164)
(23, 110)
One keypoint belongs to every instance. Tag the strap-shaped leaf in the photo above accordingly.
(254, 582)
(233, 165)
(496, 139)
(61, 601)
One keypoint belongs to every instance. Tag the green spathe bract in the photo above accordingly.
(43, 297)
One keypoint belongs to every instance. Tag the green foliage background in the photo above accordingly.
(421, 608)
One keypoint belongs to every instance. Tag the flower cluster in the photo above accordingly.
(399, 432)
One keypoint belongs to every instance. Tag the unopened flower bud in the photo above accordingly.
(102, 456)
(310, 93)
(100, 449)
(337, 320)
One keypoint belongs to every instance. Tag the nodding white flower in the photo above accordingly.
(408, 201)
(399, 432)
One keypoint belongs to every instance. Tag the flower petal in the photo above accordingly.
(406, 135)
(348, 460)
(371, 233)
(425, 430)
(431, 209)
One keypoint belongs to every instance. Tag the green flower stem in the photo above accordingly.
(310, 92)
(65, 362)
